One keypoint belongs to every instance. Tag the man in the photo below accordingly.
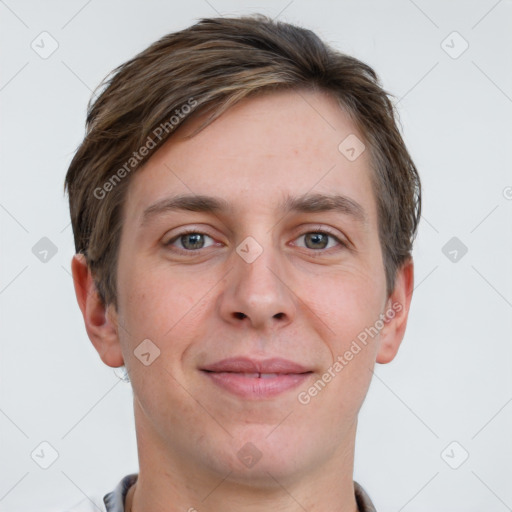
(244, 208)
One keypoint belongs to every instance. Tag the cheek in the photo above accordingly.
(160, 308)
(155, 301)
(348, 302)
(165, 308)
(350, 310)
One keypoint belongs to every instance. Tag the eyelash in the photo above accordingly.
(197, 232)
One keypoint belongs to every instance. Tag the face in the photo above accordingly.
(250, 295)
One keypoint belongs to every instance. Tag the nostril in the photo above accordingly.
(240, 315)
(279, 315)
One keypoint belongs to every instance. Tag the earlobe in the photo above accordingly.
(100, 324)
(397, 312)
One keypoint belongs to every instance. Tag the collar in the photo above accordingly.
(114, 501)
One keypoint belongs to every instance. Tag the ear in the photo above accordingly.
(100, 320)
(397, 312)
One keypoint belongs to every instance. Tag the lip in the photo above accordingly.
(242, 376)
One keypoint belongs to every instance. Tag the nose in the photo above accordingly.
(257, 294)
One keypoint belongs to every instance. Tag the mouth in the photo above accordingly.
(252, 379)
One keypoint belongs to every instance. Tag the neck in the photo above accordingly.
(168, 482)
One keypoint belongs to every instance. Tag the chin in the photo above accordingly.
(257, 459)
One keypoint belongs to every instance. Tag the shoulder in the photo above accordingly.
(113, 501)
(364, 503)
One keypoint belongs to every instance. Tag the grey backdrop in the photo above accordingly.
(435, 432)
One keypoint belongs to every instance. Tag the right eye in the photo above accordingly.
(190, 241)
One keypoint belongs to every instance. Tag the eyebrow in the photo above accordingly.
(312, 203)
(306, 203)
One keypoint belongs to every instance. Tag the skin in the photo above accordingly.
(189, 430)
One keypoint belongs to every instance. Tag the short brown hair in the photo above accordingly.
(212, 65)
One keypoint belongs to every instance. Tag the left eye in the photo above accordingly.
(319, 240)
(190, 241)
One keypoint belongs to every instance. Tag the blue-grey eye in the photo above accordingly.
(319, 240)
(316, 240)
(190, 241)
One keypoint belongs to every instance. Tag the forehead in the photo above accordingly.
(258, 153)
